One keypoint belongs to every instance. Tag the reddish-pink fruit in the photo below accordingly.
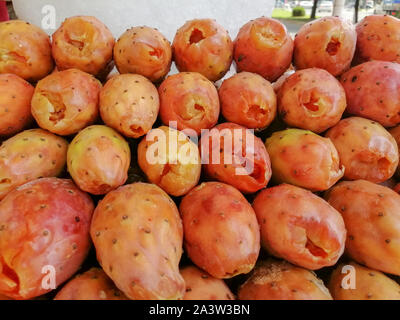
(327, 43)
(222, 235)
(366, 149)
(395, 132)
(263, 46)
(138, 235)
(311, 99)
(372, 91)
(300, 227)
(42, 223)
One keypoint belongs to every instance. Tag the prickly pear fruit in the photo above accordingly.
(279, 280)
(371, 215)
(366, 149)
(222, 235)
(98, 159)
(44, 230)
(395, 132)
(201, 286)
(138, 235)
(368, 284)
(304, 159)
(299, 226)
(29, 155)
(372, 91)
(94, 284)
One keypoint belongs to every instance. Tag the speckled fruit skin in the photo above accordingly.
(15, 104)
(371, 215)
(378, 38)
(25, 50)
(369, 284)
(299, 226)
(311, 99)
(222, 235)
(372, 91)
(29, 155)
(138, 235)
(248, 99)
(395, 132)
(94, 284)
(129, 103)
(203, 46)
(84, 43)
(66, 101)
(98, 159)
(180, 171)
(328, 43)
(231, 165)
(58, 215)
(189, 99)
(144, 51)
(201, 286)
(304, 159)
(279, 280)
(263, 46)
(366, 149)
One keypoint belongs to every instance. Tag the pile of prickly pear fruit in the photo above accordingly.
(279, 182)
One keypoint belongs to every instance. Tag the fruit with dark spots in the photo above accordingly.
(300, 227)
(203, 46)
(372, 91)
(66, 101)
(263, 46)
(98, 159)
(371, 214)
(304, 159)
(366, 149)
(140, 253)
(327, 43)
(144, 51)
(38, 230)
(222, 235)
(279, 280)
(129, 103)
(317, 103)
(233, 154)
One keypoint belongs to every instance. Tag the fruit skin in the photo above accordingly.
(66, 101)
(372, 91)
(138, 235)
(366, 149)
(144, 51)
(83, 42)
(189, 99)
(263, 46)
(248, 99)
(369, 284)
(279, 280)
(129, 103)
(178, 169)
(395, 132)
(240, 159)
(371, 215)
(30, 155)
(203, 46)
(328, 43)
(378, 38)
(93, 284)
(25, 50)
(300, 227)
(58, 215)
(15, 104)
(201, 286)
(304, 159)
(222, 235)
(98, 159)
(311, 99)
